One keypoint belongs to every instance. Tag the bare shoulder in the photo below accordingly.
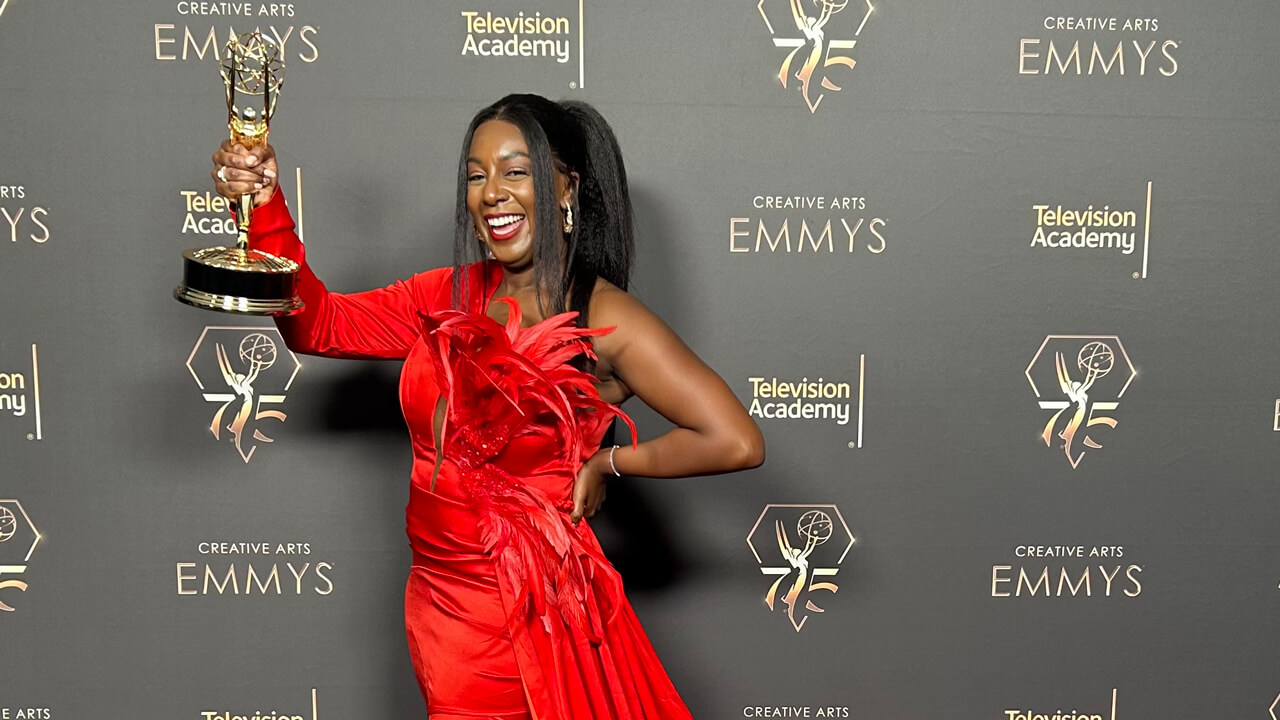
(635, 326)
(611, 306)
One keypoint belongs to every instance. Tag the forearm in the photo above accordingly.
(272, 230)
(376, 324)
(682, 452)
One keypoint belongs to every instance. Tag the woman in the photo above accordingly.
(514, 367)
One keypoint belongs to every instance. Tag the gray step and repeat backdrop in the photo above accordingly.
(996, 278)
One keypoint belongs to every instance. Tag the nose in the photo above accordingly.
(493, 191)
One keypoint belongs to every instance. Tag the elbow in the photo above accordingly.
(295, 337)
(749, 450)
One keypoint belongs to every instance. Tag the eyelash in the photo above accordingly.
(477, 177)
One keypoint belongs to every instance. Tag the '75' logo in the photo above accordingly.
(256, 368)
(810, 18)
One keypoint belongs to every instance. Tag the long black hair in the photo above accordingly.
(572, 137)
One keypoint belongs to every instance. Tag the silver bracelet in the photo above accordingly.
(613, 467)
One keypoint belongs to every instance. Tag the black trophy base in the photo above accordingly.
(238, 280)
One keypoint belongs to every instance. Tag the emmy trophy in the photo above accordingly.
(237, 279)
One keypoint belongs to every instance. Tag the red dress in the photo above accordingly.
(511, 611)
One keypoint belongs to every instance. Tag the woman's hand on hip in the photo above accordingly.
(588, 489)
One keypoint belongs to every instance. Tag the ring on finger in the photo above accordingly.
(222, 173)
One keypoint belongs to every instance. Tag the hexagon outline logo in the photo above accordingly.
(13, 519)
(810, 562)
(248, 383)
(1090, 373)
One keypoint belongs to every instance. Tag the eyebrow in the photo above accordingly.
(507, 156)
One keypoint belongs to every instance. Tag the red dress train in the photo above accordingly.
(511, 611)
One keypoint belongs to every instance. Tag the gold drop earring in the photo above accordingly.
(568, 219)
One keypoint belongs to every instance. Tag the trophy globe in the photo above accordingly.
(1096, 359)
(258, 352)
(8, 524)
(815, 527)
(238, 279)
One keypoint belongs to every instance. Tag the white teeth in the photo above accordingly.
(503, 220)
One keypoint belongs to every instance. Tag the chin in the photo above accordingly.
(517, 253)
(515, 263)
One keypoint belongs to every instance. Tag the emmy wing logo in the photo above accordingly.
(802, 546)
(18, 540)
(1092, 373)
(814, 51)
(244, 372)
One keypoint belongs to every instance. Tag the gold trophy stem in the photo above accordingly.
(245, 203)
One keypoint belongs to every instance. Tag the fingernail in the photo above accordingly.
(269, 172)
(252, 160)
(257, 186)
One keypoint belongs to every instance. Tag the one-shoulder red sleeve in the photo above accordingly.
(376, 324)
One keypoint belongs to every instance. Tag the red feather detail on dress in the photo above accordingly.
(518, 381)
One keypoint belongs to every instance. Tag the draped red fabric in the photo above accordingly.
(511, 610)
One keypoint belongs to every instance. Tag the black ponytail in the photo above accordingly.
(605, 242)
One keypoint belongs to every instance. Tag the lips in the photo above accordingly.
(505, 226)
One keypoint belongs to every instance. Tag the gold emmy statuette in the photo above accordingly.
(237, 279)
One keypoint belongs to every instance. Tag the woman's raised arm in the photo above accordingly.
(376, 324)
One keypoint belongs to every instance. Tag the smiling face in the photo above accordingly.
(501, 196)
